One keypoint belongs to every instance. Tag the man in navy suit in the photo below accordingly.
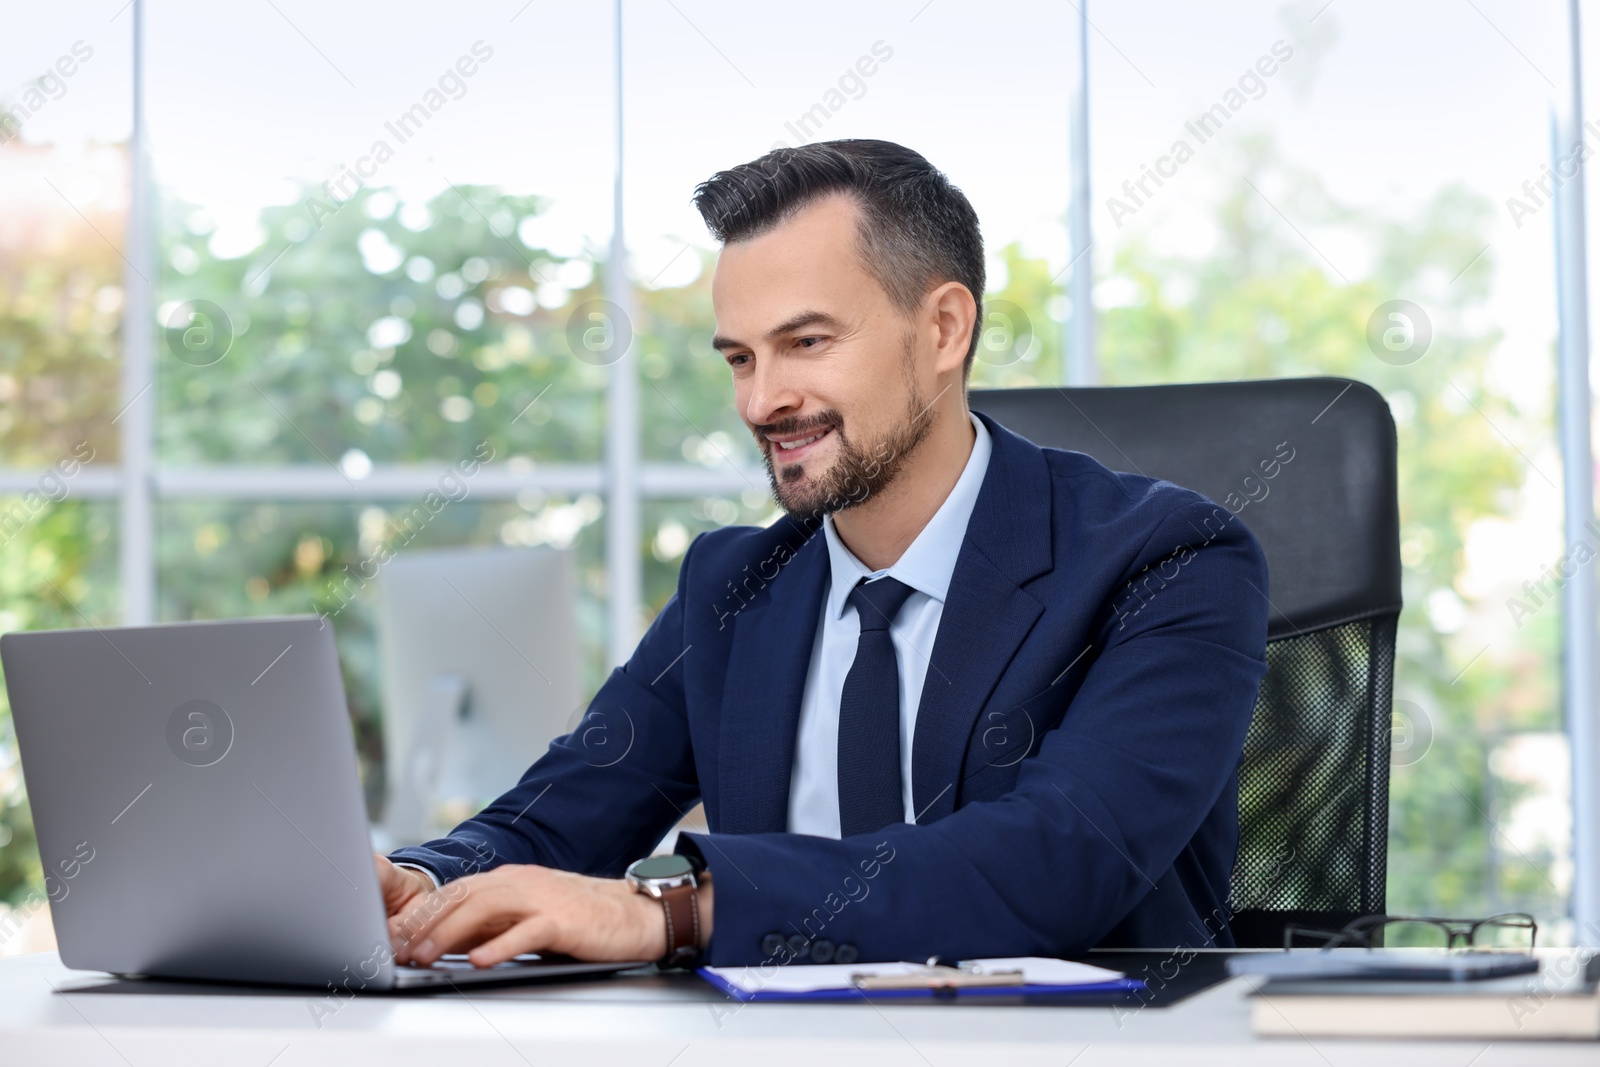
(969, 697)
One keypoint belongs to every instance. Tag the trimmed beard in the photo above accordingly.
(858, 472)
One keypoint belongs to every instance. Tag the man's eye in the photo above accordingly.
(738, 360)
(807, 342)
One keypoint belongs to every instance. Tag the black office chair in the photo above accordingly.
(1314, 784)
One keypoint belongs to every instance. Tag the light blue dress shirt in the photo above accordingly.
(926, 566)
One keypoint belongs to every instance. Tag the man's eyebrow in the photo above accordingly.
(796, 322)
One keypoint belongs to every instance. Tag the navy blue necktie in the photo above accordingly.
(869, 716)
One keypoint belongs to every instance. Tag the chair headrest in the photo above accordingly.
(1307, 463)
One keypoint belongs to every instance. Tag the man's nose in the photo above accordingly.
(771, 396)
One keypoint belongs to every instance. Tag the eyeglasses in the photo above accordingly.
(1509, 931)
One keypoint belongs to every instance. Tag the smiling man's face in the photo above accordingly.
(827, 374)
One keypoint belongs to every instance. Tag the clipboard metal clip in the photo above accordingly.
(937, 976)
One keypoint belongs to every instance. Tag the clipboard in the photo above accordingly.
(944, 983)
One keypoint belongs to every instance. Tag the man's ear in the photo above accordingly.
(951, 312)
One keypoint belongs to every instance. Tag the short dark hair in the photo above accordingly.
(917, 230)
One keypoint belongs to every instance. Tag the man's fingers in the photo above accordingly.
(480, 915)
(531, 935)
(388, 874)
(406, 918)
(415, 924)
(397, 885)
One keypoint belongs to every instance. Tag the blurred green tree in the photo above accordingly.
(1263, 304)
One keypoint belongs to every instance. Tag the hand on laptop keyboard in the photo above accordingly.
(520, 908)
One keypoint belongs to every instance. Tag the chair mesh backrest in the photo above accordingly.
(1314, 783)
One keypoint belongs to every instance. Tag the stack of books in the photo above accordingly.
(1561, 999)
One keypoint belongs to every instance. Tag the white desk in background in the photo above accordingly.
(615, 1022)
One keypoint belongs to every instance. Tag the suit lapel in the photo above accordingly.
(987, 614)
(767, 665)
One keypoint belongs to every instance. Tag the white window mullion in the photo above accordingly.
(136, 420)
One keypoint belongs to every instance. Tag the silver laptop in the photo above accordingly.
(199, 812)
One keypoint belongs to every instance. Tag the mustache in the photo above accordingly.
(794, 424)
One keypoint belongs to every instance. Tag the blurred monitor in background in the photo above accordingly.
(481, 671)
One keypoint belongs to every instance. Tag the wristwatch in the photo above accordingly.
(673, 880)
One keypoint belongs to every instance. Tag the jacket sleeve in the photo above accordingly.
(603, 795)
(1098, 814)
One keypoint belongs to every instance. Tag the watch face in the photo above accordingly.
(673, 866)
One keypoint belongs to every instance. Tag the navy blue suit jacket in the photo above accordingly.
(1075, 758)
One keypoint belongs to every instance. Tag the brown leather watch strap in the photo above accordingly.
(683, 926)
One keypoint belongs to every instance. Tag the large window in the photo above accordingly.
(254, 311)
(1272, 179)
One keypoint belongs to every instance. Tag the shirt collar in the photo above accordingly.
(930, 560)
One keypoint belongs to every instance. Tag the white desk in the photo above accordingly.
(600, 1024)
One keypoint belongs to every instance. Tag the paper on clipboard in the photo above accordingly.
(813, 978)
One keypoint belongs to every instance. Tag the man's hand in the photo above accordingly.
(400, 885)
(523, 908)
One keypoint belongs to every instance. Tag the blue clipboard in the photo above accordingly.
(851, 993)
